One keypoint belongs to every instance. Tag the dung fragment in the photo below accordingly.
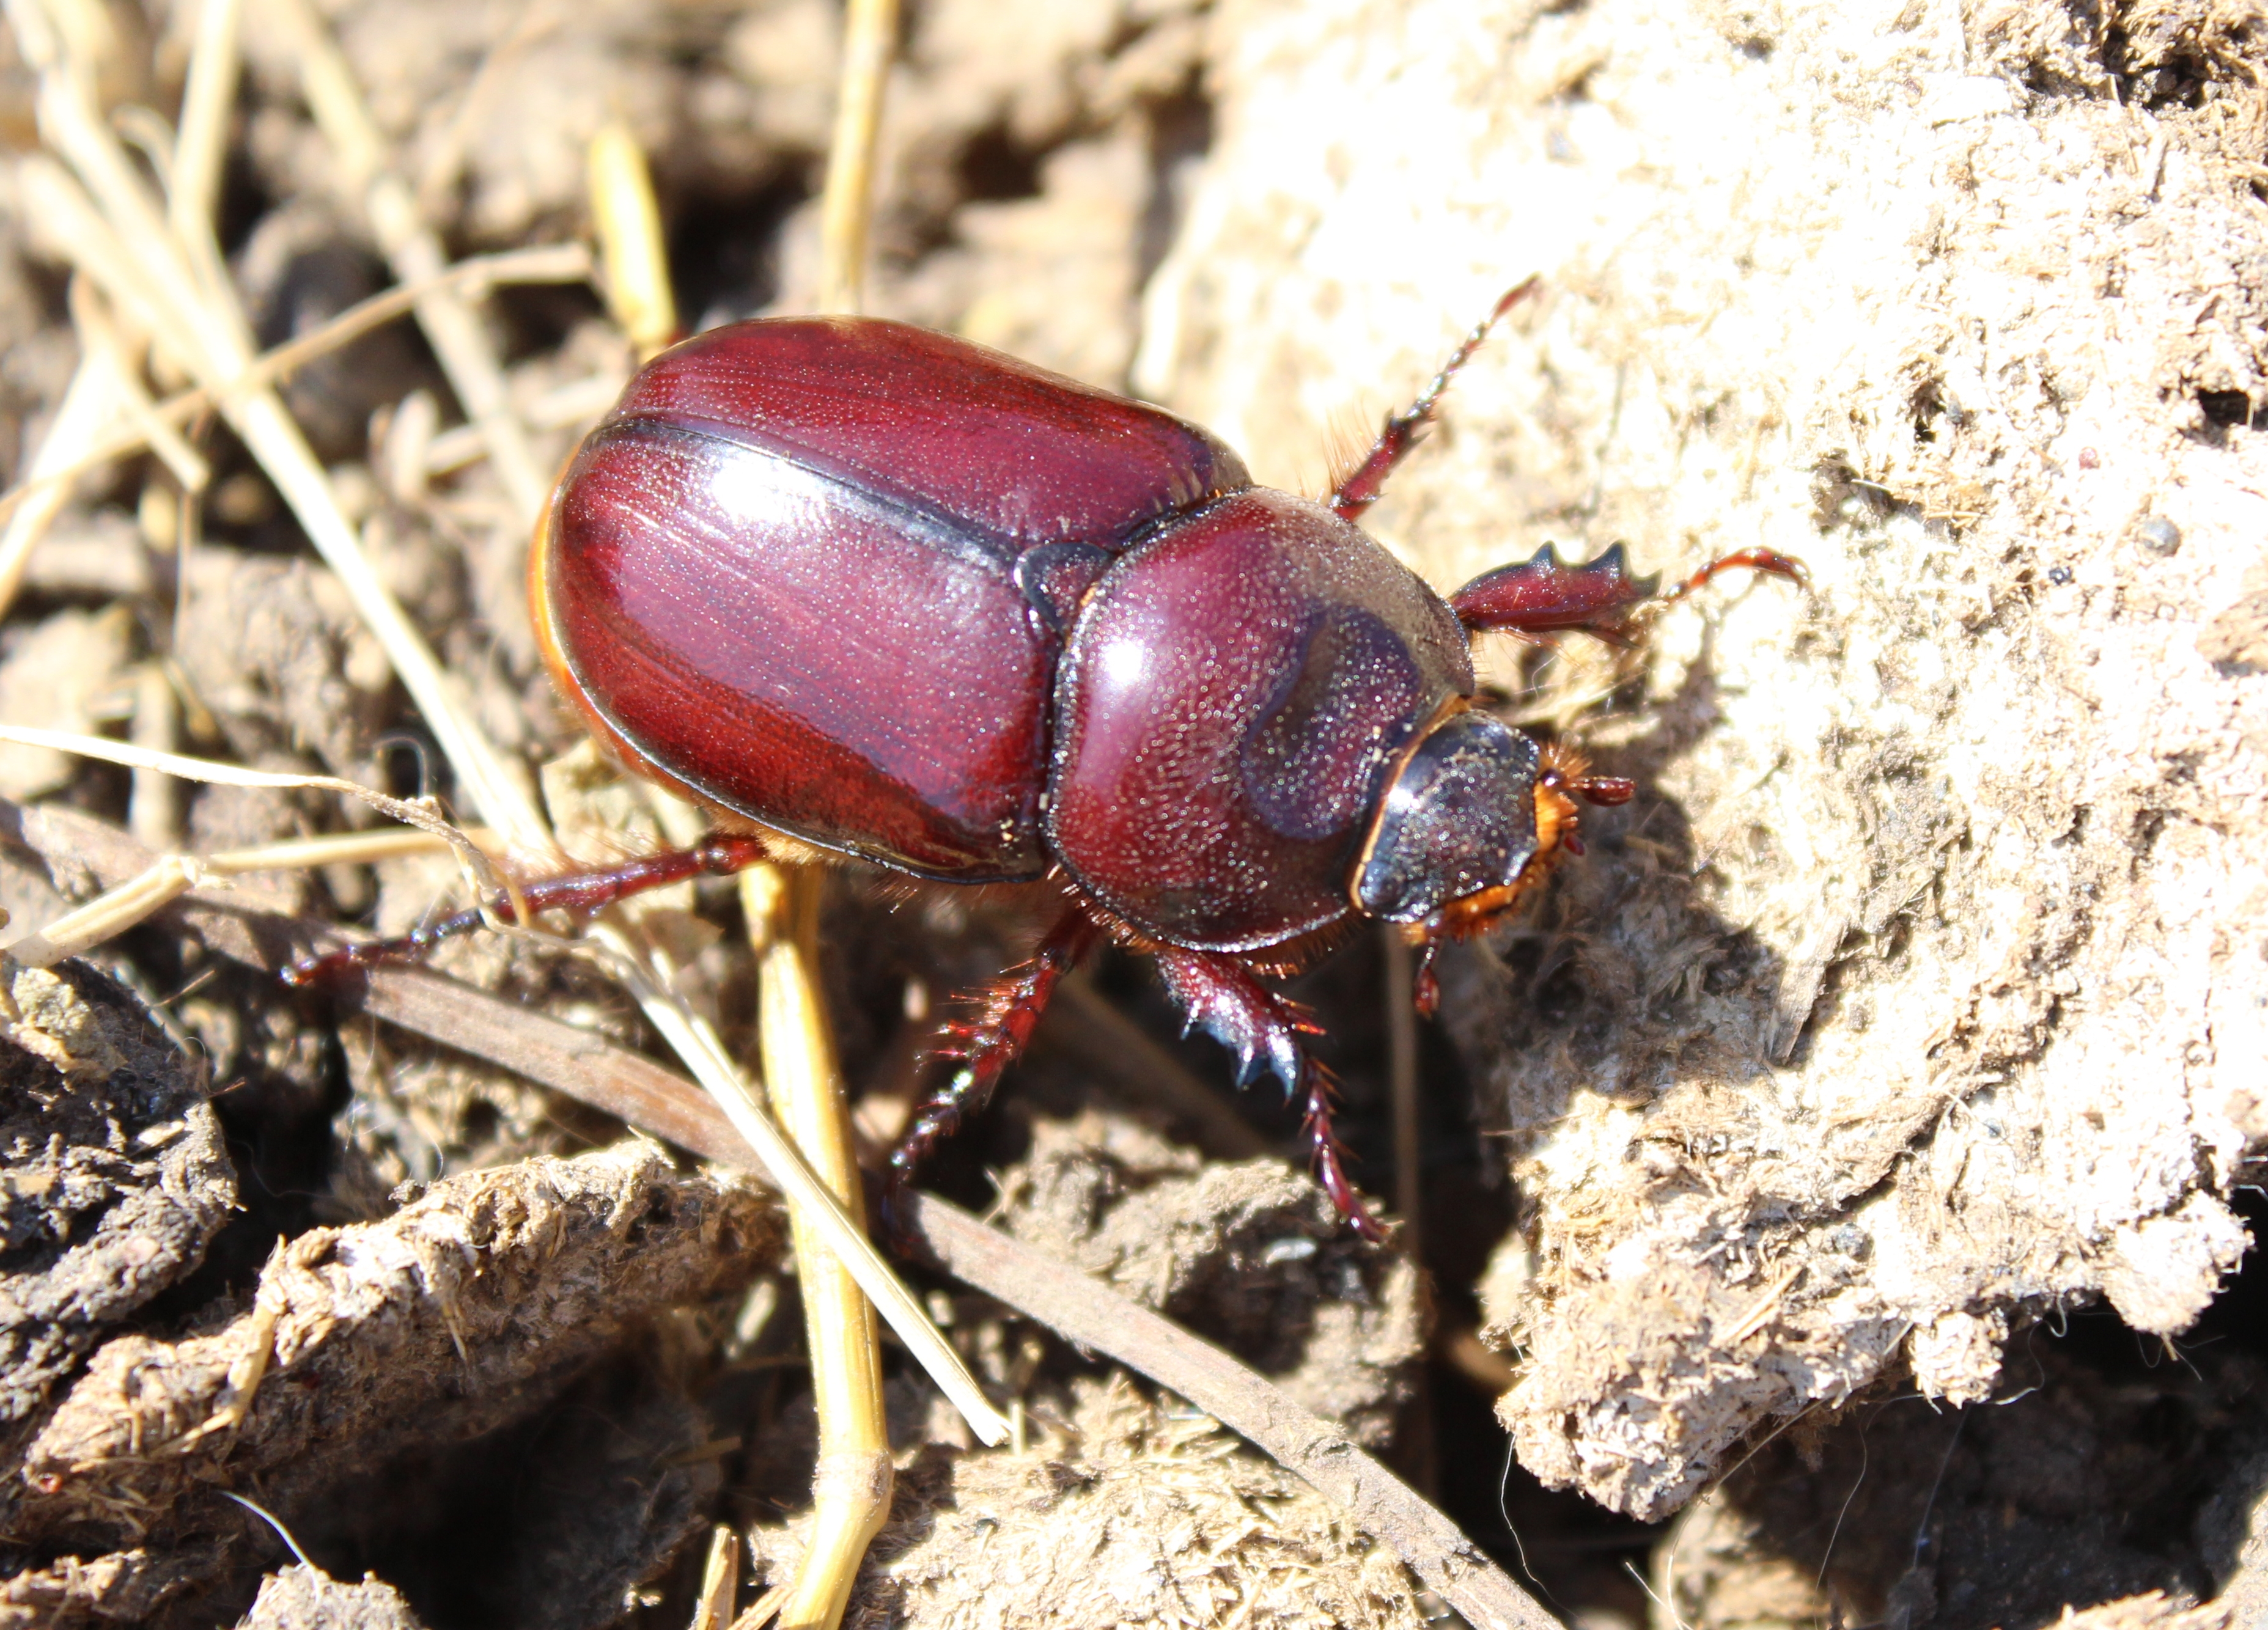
(305, 1598)
(1250, 1255)
(462, 1311)
(1133, 1514)
(113, 1177)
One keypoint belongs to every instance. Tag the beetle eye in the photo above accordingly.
(1459, 820)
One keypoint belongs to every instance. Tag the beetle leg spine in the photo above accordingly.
(1220, 995)
(1004, 1015)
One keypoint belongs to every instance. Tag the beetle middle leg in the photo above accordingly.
(1361, 487)
(1007, 1012)
(1222, 996)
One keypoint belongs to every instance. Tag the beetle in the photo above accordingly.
(866, 590)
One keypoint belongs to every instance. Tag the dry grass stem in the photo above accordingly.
(86, 411)
(154, 810)
(201, 145)
(100, 340)
(117, 909)
(546, 263)
(694, 1042)
(414, 250)
(718, 1577)
(870, 32)
(852, 1483)
(628, 223)
(171, 877)
(210, 340)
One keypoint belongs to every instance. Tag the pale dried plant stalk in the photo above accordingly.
(852, 1484)
(545, 263)
(152, 283)
(870, 32)
(118, 909)
(201, 144)
(100, 338)
(695, 1043)
(89, 405)
(414, 250)
(627, 222)
(718, 1576)
(852, 1481)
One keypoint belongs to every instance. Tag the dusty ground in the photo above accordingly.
(1842, 1154)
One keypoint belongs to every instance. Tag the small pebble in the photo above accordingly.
(2158, 534)
(2058, 575)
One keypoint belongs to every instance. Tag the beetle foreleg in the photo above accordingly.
(580, 892)
(1007, 1013)
(1361, 487)
(1544, 595)
(1220, 997)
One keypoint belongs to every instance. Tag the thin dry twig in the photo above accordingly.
(546, 263)
(414, 250)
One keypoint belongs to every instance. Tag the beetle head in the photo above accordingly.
(1471, 821)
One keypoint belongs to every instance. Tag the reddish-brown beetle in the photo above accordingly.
(875, 591)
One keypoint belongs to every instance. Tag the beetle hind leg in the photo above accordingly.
(1222, 997)
(580, 893)
(1006, 1012)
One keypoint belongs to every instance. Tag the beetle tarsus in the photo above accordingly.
(1002, 1019)
(580, 892)
(1331, 1170)
(1364, 484)
(1770, 561)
